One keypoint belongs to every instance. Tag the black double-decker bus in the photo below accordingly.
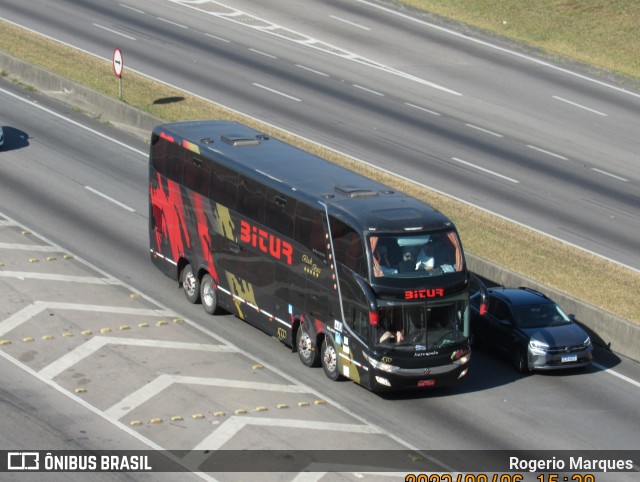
(369, 283)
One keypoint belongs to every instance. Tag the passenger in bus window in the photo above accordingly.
(407, 264)
(391, 331)
(436, 252)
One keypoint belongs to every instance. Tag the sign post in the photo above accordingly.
(118, 66)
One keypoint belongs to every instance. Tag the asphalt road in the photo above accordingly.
(542, 144)
(86, 191)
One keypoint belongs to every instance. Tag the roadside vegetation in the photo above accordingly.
(601, 283)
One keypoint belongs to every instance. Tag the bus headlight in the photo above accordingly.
(378, 365)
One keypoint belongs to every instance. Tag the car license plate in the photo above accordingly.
(426, 383)
(569, 358)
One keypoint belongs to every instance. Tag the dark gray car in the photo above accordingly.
(531, 329)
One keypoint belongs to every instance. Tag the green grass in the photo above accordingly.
(542, 259)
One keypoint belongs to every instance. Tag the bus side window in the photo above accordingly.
(251, 199)
(196, 173)
(280, 214)
(167, 158)
(309, 230)
(348, 247)
(224, 186)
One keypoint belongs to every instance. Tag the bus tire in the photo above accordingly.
(209, 295)
(309, 355)
(329, 359)
(190, 284)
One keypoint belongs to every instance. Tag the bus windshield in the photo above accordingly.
(423, 325)
(416, 255)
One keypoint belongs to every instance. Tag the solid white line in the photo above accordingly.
(72, 122)
(114, 31)
(312, 70)
(486, 170)
(349, 22)
(277, 92)
(580, 106)
(486, 131)
(179, 25)
(616, 374)
(118, 203)
(422, 108)
(609, 174)
(368, 90)
(263, 53)
(549, 153)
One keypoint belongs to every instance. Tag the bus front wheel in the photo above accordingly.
(190, 284)
(308, 354)
(329, 359)
(209, 296)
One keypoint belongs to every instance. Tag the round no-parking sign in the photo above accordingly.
(118, 63)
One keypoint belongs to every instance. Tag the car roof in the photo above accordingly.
(519, 296)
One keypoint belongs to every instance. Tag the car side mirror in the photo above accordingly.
(572, 317)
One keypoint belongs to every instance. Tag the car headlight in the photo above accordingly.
(587, 342)
(538, 345)
(378, 365)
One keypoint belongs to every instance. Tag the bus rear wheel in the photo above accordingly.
(209, 296)
(308, 354)
(190, 284)
(329, 359)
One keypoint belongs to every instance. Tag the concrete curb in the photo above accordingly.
(612, 332)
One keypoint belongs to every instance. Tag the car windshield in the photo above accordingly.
(416, 255)
(540, 315)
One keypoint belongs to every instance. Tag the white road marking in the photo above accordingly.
(468, 38)
(92, 280)
(131, 8)
(368, 90)
(114, 31)
(163, 382)
(485, 170)
(549, 153)
(96, 343)
(108, 198)
(259, 52)
(609, 174)
(348, 22)
(216, 38)
(486, 131)
(29, 247)
(433, 112)
(277, 92)
(309, 69)
(179, 25)
(616, 374)
(74, 123)
(28, 312)
(580, 106)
